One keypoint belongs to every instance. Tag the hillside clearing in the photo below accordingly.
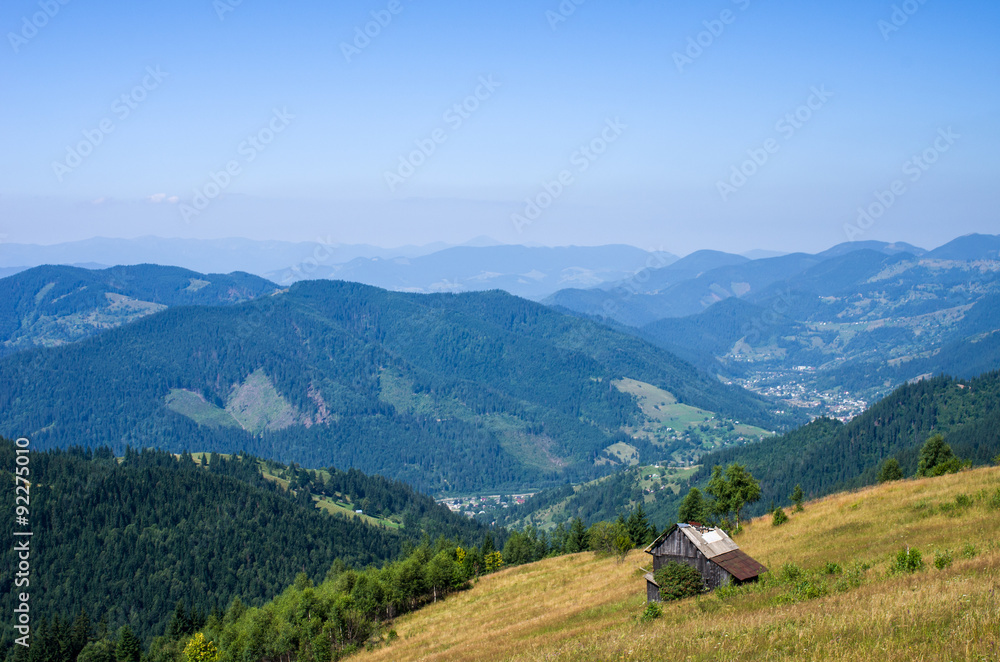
(580, 607)
(667, 421)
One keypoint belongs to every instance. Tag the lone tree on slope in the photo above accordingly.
(936, 458)
(732, 490)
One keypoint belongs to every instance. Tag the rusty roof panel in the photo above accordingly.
(739, 565)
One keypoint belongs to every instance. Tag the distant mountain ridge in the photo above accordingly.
(695, 282)
(55, 305)
(531, 272)
(202, 255)
(857, 319)
(477, 265)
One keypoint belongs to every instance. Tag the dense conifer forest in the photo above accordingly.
(124, 540)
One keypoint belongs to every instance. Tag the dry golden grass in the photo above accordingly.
(582, 608)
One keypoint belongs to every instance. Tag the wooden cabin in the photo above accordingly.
(708, 549)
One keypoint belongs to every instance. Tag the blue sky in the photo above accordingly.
(647, 128)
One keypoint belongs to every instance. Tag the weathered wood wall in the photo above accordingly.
(677, 547)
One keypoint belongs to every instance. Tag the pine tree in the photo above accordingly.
(889, 471)
(692, 508)
(180, 624)
(797, 497)
(80, 633)
(638, 526)
(129, 649)
(577, 540)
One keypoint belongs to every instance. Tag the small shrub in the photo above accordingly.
(963, 501)
(890, 471)
(729, 590)
(969, 551)
(995, 501)
(942, 560)
(853, 577)
(678, 581)
(908, 560)
(832, 569)
(790, 573)
(809, 590)
(652, 612)
(779, 517)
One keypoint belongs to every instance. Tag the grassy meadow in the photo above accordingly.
(832, 593)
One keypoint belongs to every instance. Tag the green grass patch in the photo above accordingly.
(194, 406)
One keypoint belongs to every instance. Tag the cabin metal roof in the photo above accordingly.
(718, 547)
(739, 565)
(710, 541)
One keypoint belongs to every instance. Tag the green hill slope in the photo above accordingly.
(899, 572)
(832, 593)
(447, 392)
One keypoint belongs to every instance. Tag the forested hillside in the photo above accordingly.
(447, 392)
(53, 305)
(827, 456)
(823, 457)
(126, 539)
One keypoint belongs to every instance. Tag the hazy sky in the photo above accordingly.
(621, 122)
